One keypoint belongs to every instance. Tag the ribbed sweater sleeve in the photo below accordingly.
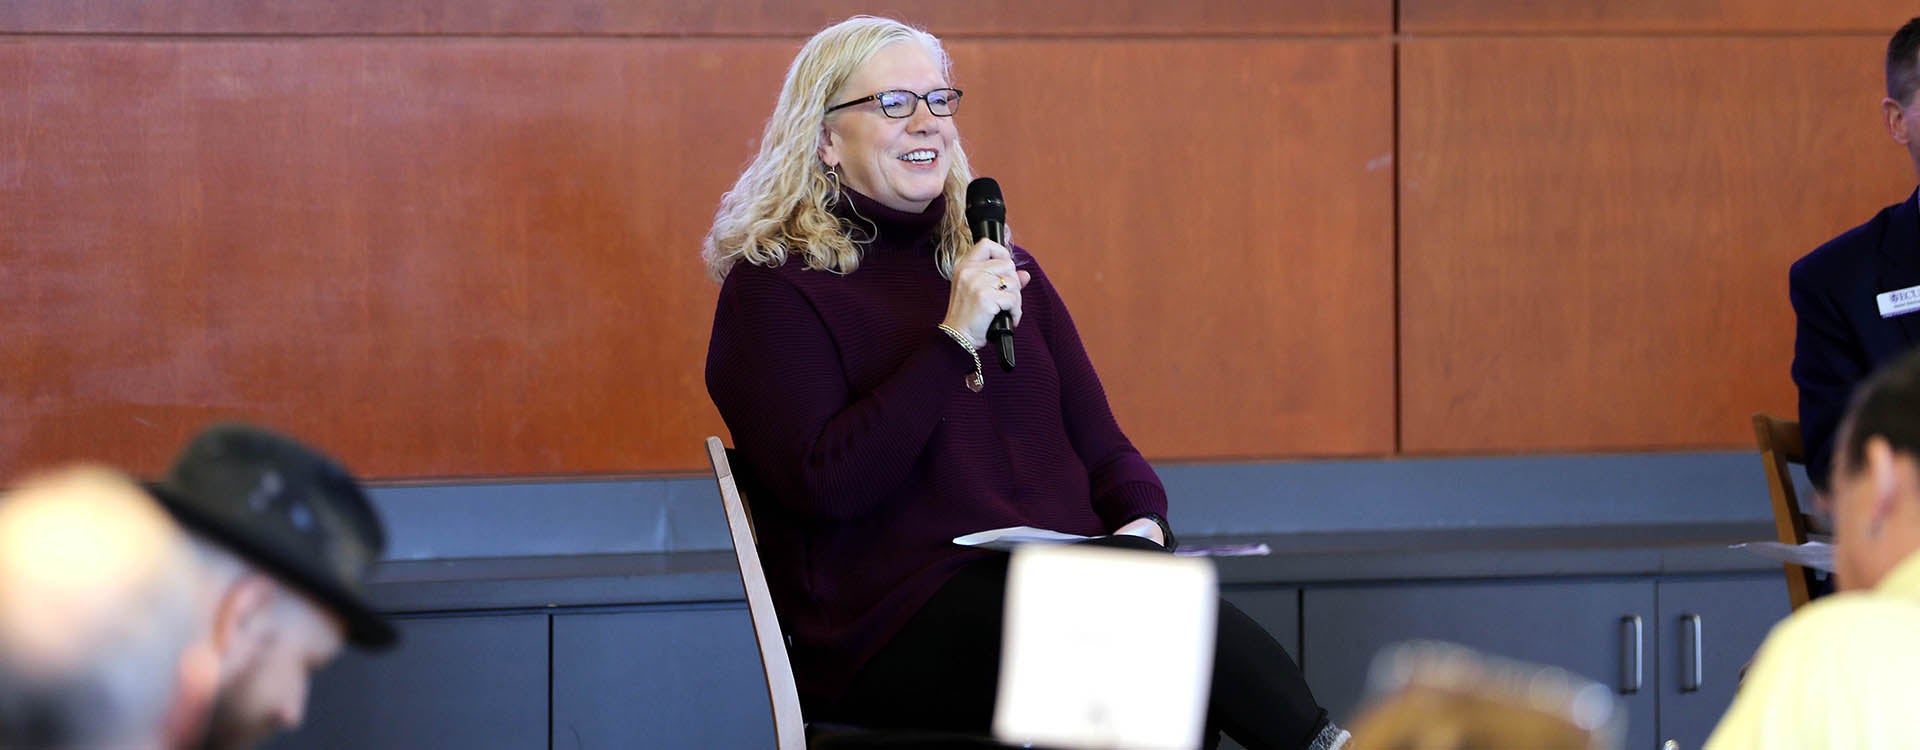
(1123, 484)
(833, 454)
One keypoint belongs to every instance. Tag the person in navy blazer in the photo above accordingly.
(1845, 329)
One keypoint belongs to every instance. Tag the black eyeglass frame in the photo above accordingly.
(913, 97)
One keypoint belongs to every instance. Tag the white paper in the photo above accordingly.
(1816, 555)
(1014, 536)
(1106, 648)
(1226, 550)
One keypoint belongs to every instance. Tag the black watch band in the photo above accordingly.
(1166, 529)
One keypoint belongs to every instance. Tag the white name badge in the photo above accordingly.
(1899, 301)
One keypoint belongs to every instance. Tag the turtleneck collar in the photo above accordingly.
(894, 228)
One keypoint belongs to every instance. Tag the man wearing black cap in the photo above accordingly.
(285, 537)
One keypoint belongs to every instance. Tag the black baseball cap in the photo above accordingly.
(287, 509)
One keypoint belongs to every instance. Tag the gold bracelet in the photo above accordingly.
(975, 381)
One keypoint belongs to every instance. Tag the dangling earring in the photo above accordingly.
(833, 176)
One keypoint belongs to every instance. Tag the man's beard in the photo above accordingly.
(227, 727)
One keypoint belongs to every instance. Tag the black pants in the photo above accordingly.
(942, 670)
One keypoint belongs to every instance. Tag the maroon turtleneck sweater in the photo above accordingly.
(848, 403)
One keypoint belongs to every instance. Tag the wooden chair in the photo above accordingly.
(790, 729)
(1779, 442)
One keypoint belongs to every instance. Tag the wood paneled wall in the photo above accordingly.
(458, 238)
(1877, 18)
(795, 19)
(1219, 225)
(1595, 231)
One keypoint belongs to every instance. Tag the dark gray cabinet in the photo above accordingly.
(667, 677)
(1643, 637)
(1582, 626)
(1709, 630)
(467, 682)
(688, 675)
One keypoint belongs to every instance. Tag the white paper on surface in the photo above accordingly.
(1816, 555)
(1226, 550)
(1014, 536)
(1106, 648)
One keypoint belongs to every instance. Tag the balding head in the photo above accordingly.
(97, 603)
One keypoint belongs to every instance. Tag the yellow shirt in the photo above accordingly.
(1843, 672)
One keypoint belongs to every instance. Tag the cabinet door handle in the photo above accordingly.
(1691, 671)
(1631, 655)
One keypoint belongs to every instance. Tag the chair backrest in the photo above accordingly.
(789, 727)
(1779, 443)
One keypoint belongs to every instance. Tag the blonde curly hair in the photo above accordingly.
(782, 204)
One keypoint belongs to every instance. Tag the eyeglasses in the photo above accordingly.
(900, 103)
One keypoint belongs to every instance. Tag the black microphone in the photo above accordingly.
(987, 216)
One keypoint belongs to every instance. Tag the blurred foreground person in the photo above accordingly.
(283, 537)
(1840, 672)
(1438, 696)
(196, 621)
(97, 611)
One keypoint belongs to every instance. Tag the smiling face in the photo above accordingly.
(900, 162)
